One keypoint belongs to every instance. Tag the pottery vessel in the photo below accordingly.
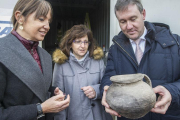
(130, 96)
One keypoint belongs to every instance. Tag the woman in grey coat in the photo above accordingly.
(78, 71)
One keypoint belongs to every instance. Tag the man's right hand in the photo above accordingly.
(105, 104)
(55, 104)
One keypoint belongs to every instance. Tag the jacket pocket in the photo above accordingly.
(68, 81)
(93, 77)
(87, 114)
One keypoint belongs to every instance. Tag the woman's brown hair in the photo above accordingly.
(27, 7)
(77, 31)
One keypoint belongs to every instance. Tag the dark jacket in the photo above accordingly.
(22, 84)
(161, 62)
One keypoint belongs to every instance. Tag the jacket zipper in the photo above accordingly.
(126, 52)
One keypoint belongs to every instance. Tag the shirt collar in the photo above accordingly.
(27, 43)
(143, 35)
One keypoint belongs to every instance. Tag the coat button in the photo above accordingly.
(93, 104)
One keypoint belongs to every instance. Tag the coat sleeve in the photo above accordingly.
(96, 87)
(174, 87)
(109, 71)
(20, 112)
(58, 81)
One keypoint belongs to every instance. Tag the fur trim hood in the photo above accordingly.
(60, 58)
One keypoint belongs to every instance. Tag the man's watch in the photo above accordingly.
(39, 111)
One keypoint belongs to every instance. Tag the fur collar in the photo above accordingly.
(60, 58)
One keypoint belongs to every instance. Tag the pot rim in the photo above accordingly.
(127, 78)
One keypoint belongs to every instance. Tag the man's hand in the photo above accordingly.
(105, 104)
(164, 100)
(89, 92)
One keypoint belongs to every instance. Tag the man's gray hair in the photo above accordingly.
(122, 5)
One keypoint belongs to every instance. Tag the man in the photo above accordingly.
(156, 55)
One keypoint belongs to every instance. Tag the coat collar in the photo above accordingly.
(19, 61)
(161, 33)
(60, 58)
(72, 56)
(155, 32)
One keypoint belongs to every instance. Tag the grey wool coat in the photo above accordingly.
(70, 77)
(22, 84)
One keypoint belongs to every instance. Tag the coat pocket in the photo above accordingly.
(88, 114)
(94, 76)
(68, 81)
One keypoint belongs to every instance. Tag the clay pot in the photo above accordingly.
(130, 96)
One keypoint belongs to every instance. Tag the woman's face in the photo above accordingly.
(80, 47)
(35, 29)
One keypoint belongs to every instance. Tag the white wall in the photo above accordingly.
(164, 11)
(8, 4)
(114, 25)
(6, 9)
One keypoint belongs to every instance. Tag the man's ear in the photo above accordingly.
(144, 14)
(19, 17)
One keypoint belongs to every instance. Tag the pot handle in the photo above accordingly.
(148, 80)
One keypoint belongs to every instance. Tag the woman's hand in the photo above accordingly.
(57, 91)
(89, 92)
(55, 104)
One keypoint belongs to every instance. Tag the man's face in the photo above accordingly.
(131, 22)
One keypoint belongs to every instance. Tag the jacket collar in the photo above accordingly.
(60, 58)
(19, 61)
(82, 59)
(82, 63)
(155, 31)
(163, 35)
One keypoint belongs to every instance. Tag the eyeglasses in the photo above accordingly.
(78, 42)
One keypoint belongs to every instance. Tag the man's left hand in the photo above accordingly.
(164, 100)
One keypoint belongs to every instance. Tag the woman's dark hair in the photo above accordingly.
(27, 7)
(77, 31)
